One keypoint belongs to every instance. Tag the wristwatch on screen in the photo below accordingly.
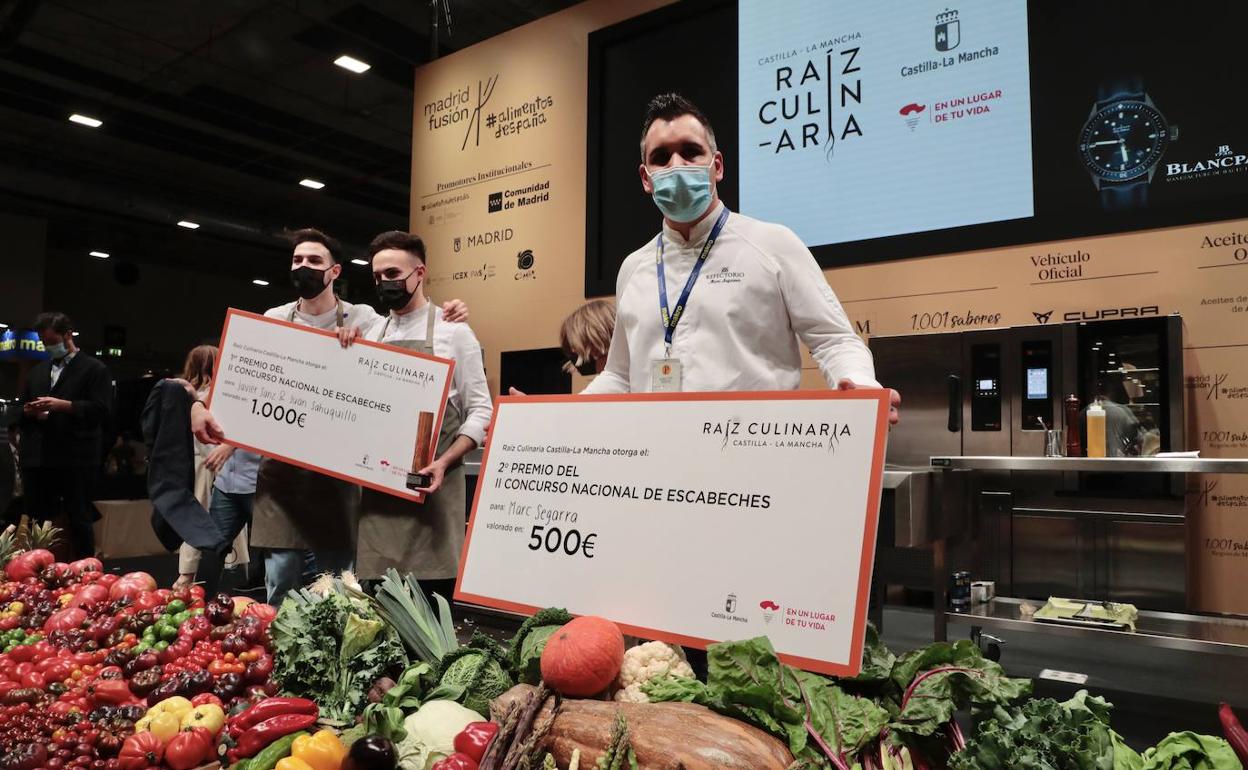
(1122, 142)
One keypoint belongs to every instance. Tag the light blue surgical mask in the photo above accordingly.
(57, 351)
(683, 193)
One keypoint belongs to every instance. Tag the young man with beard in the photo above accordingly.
(762, 292)
(305, 519)
(423, 539)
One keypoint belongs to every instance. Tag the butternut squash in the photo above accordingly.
(664, 736)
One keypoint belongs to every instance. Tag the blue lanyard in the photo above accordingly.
(670, 319)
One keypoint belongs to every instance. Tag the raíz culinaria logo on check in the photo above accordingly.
(776, 434)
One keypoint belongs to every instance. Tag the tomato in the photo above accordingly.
(108, 579)
(263, 612)
(204, 699)
(147, 600)
(21, 670)
(59, 670)
(34, 679)
(65, 620)
(131, 585)
(89, 564)
(141, 751)
(90, 593)
(219, 667)
(189, 748)
(22, 653)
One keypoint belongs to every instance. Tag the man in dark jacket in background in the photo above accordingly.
(67, 399)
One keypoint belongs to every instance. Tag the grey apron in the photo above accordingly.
(423, 539)
(298, 508)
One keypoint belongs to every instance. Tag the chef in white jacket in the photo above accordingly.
(719, 301)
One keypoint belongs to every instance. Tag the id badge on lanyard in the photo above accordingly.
(666, 373)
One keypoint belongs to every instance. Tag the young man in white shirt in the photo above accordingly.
(740, 293)
(297, 511)
(423, 539)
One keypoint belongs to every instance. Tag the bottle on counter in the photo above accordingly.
(1074, 448)
(1096, 429)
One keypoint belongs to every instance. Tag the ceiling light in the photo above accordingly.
(98, 254)
(353, 64)
(4, 326)
(188, 224)
(259, 282)
(361, 262)
(75, 334)
(311, 184)
(85, 120)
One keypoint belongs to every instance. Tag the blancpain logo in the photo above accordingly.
(1224, 161)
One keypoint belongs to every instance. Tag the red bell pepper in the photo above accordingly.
(456, 761)
(269, 708)
(1234, 731)
(251, 742)
(108, 692)
(474, 739)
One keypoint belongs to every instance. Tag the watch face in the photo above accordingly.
(1123, 140)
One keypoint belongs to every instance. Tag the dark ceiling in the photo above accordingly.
(213, 111)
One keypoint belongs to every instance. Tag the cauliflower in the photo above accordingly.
(647, 662)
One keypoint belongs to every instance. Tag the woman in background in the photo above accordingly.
(209, 459)
(586, 336)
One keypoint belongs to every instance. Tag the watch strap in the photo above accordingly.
(1124, 196)
(1122, 88)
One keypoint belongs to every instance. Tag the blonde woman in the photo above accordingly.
(586, 336)
(209, 459)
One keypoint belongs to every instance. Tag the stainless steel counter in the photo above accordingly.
(1169, 630)
(1101, 464)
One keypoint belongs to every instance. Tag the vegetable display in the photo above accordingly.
(330, 648)
(106, 672)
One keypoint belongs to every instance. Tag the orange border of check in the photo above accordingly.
(450, 372)
(866, 561)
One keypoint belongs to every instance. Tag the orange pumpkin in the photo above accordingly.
(584, 657)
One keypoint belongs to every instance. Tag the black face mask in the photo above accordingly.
(308, 281)
(393, 294)
(587, 367)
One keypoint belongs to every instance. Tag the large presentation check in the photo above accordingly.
(362, 414)
(687, 517)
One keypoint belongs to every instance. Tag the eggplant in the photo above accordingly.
(372, 752)
(144, 682)
(165, 690)
(219, 614)
(228, 686)
(235, 644)
(133, 712)
(201, 682)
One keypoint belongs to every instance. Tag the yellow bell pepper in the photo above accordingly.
(164, 726)
(316, 752)
(330, 740)
(177, 705)
(292, 763)
(209, 715)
